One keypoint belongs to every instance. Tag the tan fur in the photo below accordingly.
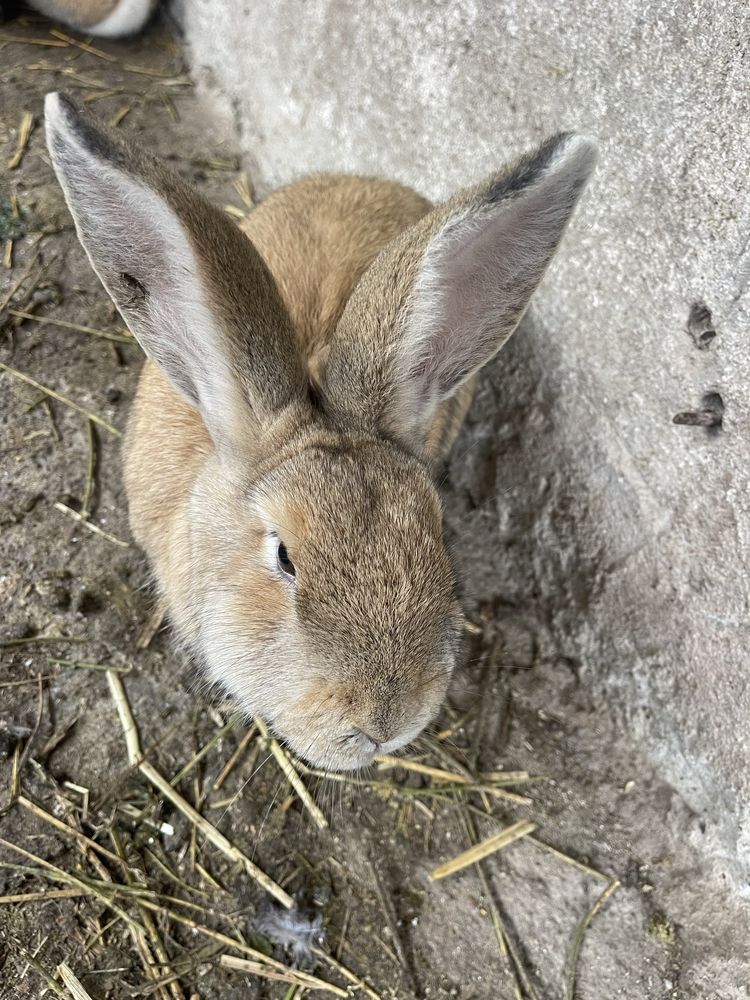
(306, 392)
(318, 237)
(79, 13)
(86, 15)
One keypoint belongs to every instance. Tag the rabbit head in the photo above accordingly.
(302, 551)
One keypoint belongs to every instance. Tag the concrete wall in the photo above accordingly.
(615, 538)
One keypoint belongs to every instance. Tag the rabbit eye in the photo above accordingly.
(285, 563)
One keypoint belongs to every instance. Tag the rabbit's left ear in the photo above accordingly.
(191, 286)
(441, 300)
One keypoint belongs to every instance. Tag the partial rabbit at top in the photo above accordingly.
(107, 18)
(306, 375)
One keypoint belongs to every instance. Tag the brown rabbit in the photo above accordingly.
(108, 18)
(305, 376)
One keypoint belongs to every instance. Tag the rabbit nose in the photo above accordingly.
(369, 742)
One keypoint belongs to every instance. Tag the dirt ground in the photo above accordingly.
(511, 927)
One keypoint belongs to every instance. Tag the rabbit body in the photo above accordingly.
(106, 18)
(307, 375)
(317, 236)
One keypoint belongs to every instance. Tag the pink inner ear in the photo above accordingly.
(485, 277)
(478, 275)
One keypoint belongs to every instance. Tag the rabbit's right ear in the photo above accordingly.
(442, 299)
(191, 287)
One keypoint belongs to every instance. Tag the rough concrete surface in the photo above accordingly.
(620, 534)
(595, 536)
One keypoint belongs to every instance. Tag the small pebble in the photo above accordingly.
(22, 629)
(53, 593)
(29, 502)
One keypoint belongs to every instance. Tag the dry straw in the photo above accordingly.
(483, 849)
(135, 757)
(292, 776)
(61, 399)
(24, 133)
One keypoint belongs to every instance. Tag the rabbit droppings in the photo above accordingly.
(307, 372)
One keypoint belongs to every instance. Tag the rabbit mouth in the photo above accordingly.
(360, 742)
(351, 751)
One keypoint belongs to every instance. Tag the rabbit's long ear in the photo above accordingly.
(442, 299)
(189, 284)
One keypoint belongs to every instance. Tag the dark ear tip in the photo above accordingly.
(578, 149)
(60, 112)
(568, 157)
(70, 127)
(565, 155)
(58, 103)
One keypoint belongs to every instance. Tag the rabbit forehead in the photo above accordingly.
(364, 529)
(354, 498)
